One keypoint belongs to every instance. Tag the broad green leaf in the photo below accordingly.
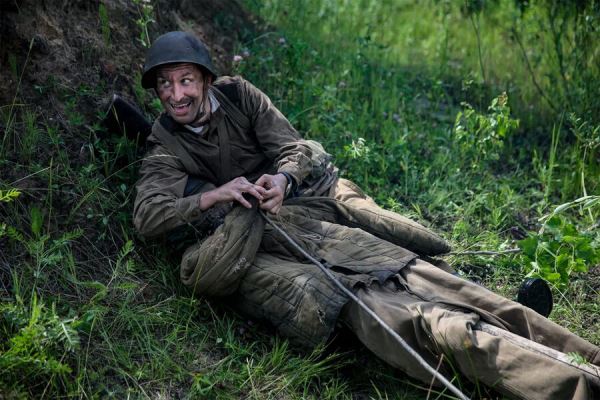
(569, 230)
(36, 221)
(574, 240)
(562, 264)
(579, 266)
(546, 260)
(529, 246)
(553, 247)
(554, 223)
(548, 248)
(587, 253)
(553, 277)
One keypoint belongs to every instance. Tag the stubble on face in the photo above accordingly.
(180, 88)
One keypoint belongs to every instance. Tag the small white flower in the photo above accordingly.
(246, 54)
(282, 40)
(237, 58)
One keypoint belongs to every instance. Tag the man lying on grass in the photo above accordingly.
(222, 150)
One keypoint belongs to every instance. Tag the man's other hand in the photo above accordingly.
(275, 192)
(233, 190)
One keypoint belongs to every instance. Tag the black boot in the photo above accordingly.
(125, 118)
(535, 294)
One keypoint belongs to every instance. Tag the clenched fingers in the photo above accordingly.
(235, 190)
(273, 201)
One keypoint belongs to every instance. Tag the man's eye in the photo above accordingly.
(163, 83)
(185, 81)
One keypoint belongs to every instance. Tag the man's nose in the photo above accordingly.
(178, 92)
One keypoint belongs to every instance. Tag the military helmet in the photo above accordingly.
(175, 47)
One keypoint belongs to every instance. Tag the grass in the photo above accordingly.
(89, 309)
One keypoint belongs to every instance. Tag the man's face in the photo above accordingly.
(180, 90)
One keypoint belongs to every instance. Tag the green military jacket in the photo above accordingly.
(269, 145)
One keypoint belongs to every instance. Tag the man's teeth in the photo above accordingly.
(181, 105)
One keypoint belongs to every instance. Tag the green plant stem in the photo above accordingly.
(49, 199)
(551, 161)
(479, 52)
(14, 101)
(557, 35)
(483, 252)
(530, 69)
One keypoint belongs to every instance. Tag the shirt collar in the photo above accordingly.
(214, 105)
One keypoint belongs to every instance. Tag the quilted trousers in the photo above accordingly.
(435, 312)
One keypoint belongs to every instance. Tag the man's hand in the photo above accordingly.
(233, 190)
(275, 191)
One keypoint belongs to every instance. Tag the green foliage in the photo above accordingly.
(73, 115)
(104, 23)
(481, 137)
(35, 345)
(120, 324)
(144, 98)
(12, 62)
(36, 221)
(9, 115)
(145, 11)
(124, 260)
(587, 155)
(31, 135)
(586, 203)
(544, 54)
(560, 249)
(9, 195)
(545, 169)
(577, 358)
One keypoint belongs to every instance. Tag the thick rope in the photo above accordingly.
(385, 326)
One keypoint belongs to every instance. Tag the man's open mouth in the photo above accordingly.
(181, 108)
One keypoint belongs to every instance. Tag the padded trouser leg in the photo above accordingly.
(435, 328)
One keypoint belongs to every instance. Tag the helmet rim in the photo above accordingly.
(173, 48)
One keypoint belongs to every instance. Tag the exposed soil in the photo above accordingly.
(59, 45)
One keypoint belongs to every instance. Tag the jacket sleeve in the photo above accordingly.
(159, 204)
(278, 139)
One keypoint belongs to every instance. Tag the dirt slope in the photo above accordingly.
(69, 45)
